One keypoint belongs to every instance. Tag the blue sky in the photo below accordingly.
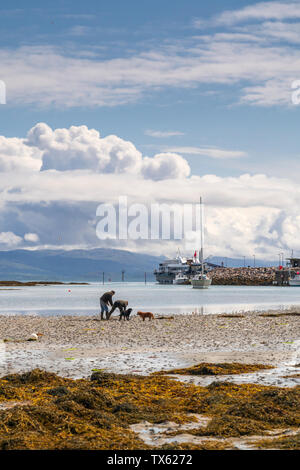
(208, 114)
(208, 81)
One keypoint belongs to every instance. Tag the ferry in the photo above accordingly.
(181, 270)
(177, 270)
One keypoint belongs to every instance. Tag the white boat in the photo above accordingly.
(181, 279)
(201, 280)
(294, 281)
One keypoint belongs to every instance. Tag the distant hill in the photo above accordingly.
(76, 265)
(88, 265)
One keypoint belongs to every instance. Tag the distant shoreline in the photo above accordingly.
(38, 283)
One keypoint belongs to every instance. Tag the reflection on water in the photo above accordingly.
(84, 299)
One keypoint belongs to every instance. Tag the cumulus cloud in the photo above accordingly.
(164, 166)
(80, 169)
(15, 155)
(80, 148)
(243, 215)
(9, 239)
(31, 237)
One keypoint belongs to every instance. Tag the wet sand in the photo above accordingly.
(75, 346)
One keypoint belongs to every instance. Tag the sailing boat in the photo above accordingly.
(201, 281)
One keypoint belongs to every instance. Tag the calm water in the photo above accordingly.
(81, 300)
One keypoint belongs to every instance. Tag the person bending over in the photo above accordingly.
(105, 302)
(121, 305)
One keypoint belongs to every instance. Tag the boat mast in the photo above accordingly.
(202, 235)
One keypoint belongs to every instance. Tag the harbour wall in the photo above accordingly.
(243, 276)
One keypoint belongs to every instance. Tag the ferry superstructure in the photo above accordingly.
(178, 268)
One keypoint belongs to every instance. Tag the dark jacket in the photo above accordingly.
(120, 304)
(107, 298)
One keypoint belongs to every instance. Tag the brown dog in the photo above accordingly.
(144, 315)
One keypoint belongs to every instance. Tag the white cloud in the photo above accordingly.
(273, 31)
(245, 214)
(80, 148)
(165, 166)
(270, 93)
(261, 10)
(162, 134)
(249, 55)
(16, 156)
(210, 152)
(31, 237)
(9, 239)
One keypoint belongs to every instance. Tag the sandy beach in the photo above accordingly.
(179, 411)
(75, 346)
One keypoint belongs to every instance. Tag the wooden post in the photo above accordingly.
(103, 277)
(145, 278)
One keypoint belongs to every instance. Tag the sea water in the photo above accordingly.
(159, 299)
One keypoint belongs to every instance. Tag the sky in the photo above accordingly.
(157, 101)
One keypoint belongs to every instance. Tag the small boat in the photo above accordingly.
(181, 279)
(201, 280)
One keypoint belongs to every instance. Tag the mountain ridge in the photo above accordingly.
(89, 265)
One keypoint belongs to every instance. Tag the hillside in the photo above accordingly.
(75, 265)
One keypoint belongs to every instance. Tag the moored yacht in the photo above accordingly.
(201, 280)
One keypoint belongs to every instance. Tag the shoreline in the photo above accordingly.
(118, 391)
(222, 276)
(40, 283)
(75, 346)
